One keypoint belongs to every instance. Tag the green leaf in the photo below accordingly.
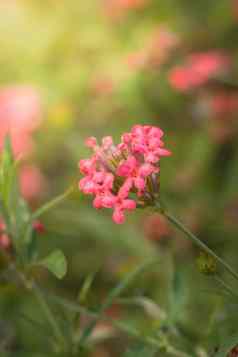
(86, 288)
(56, 263)
(177, 297)
(7, 157)
(7, 170)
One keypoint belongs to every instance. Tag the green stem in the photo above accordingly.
(226, 286)
(48, 314)
(120, 325)
(197, 241)
(31, 286)
(51, 204)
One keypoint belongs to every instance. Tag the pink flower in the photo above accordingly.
(32, 182)
(182, 78)
(122, 176)
(135, 172)
(20, 108)
(156, 51)
(121, 204)
(162, 42)
(20, 116)
(209, 63)
(200, 67)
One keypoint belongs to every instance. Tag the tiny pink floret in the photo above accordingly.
(118, 176)
(91, 142)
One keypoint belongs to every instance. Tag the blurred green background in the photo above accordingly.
(98, 67)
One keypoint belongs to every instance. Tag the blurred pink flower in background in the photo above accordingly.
(5, 241)
(137, 60)
(102, 85)
(156, 51)
(20, 115)
(161, 43)
(199, 68)
(131, 4)
(224, 104)
(32, 182)
(218, 104)
(156, 227)
(115, 9)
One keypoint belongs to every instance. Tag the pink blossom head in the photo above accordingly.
(125, 175)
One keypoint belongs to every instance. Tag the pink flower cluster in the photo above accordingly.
(120, 176)
(200, 67)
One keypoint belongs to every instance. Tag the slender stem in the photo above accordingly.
(48, 314)
(226, 286)
(198, 242)
(31, 286)
(51, 204)
(114, 294)
(118, 324)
